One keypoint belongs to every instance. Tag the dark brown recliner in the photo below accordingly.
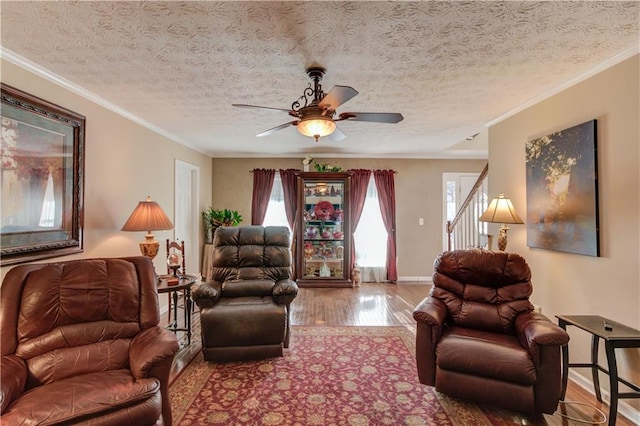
(244, 310)
(81, 344)
(478, 338)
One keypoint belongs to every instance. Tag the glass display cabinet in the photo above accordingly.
(324, 253)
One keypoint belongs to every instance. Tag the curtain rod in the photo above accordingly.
(373, 170)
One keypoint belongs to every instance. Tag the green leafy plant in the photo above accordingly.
(214, 218)
(326, 167)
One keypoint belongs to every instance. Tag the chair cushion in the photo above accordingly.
(86, 395)
(251, 253)
(482, 289)
(481, 353)
(241, 288)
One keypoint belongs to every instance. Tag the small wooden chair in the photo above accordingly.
(179, 246)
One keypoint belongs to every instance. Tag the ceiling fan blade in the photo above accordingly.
(336, 136)
(375, 117)
(337, 96)
(257, 106)
(280, 127)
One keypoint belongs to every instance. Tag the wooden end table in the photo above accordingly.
(618, 336)
(184, 284)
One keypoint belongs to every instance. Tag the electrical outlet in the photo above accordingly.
(421, 221)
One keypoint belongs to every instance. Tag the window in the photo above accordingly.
(276, 214)
(370, 238)
(48, 212)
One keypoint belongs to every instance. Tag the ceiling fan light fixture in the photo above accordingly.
(316, 126)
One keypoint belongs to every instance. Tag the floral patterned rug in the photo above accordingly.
(328, 376)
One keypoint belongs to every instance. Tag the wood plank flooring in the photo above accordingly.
(392, 305)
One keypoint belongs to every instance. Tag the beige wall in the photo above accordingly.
(418, 192)
(567, 283)
(124, 163)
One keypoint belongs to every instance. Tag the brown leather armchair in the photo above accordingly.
(81, 344)
(244, 310)
(478, 338)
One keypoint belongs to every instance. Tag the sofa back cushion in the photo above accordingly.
(482, 289)
(251, 253)
(79, 317)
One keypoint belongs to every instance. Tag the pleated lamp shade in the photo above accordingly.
(501, 210)
(148, 216)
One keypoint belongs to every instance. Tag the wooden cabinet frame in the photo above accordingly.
(323, 252)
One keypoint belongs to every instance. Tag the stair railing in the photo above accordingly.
(465, 231)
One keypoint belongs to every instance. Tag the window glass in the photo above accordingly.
(276, 214)
(371, 236)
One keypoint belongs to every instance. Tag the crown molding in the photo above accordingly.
(38, 70)
(624, 55)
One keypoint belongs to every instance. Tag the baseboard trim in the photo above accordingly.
(624, 409)
(419, 280)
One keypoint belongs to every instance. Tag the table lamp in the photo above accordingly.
(148, 216)
(501, 210)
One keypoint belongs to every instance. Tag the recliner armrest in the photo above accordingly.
(534, 330)
(206, 294)
(430, 316)
(285, 291)
(149, 348)
(13, 377)
(431, 311)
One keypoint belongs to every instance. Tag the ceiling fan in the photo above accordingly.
(315, 111)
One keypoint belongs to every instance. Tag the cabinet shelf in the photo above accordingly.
(328, 260)
(313, 199)
(323, 222)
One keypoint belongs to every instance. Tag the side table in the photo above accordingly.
(184, 284)
(618, 336)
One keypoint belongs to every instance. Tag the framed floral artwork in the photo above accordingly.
(562, 191)
(42, 155)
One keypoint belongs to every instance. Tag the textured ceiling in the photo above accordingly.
(449, 67)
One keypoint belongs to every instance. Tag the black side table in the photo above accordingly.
(184, 284)
(618, 336)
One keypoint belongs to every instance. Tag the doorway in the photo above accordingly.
(186, 214)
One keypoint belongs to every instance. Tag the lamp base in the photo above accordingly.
(502, 237)
(149, 247)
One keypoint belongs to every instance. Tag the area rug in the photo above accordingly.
(328, 376)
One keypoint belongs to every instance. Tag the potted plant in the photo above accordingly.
(215, 218)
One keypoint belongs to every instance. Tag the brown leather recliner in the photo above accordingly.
(478, 338)
(244, 310)
(81, 344)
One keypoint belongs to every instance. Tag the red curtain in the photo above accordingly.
(290, 189)
(262, 185)
(385, 184)
(357, 196)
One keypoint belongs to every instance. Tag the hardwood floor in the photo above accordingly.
(392, 305)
